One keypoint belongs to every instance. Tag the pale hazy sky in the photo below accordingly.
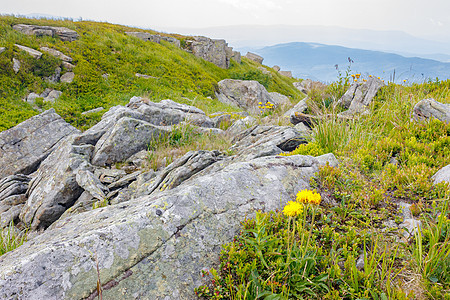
(429, 18)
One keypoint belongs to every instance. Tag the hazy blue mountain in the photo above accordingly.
(318, 61)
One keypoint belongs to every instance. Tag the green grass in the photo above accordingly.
(104, 49)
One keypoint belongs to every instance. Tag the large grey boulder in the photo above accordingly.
(57, 54)
(153, 247)
(443, 175)
(30, 51)
(127, 137)
(360, 94)
(260, 141)
(255, 57)
(245, 94)
(429, 108)
(23, 147)
(55, 187)
(214, 51)
(63, 33)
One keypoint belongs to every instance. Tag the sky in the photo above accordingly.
(430, 19)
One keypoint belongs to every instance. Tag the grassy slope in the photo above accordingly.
(104, 48)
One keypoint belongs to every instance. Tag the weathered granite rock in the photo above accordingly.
(245, 94)
(428, 108)
(23, 147)
(360, 94)
(32, 97)
(12, 197)
(127, 137)
(91, 184)
(91, 111)
(260, 141)
(241, 125)
(300, 107)
(16, 65)
(54, 187)
(308, 85)
(153, 247)
(30, 51)
(53, 96)
(277, 69)
(236, 56)
(67, 77)
(68, 66)
(171, 40)
(13, 185)
(443, 175)
(184, 168)
(254, 57)
(286, 73)
(57, 54)
(145, 36)
(280, 99)
(214, 51)
(63, 33)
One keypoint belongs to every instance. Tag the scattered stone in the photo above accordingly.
(16, 65)
(144, 76)
(95, 110)
(63, 33)
(254, 57)
(55, 77)
(125, 180)
(68, 66)
(32, 97)
(91, 184)
(46, 92)
(409, 224)
(52, 96)
(145, 36)
(276, 68)
(428, 108)
(360, 262)
(245, 94)
(214, 51)
(172, 40)
(236, 56)
(264, 70)
(23, 147)
(360, 94)
(286, 73)
(68, 77)
(57, 54)
(443, 175)
(36, 54)
(307, 85)
(2, 49)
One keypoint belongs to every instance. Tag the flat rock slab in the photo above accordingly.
(65, 34)
(430, 108)
(24, 146)
(30, 51)
(153, 247)
(57, 54)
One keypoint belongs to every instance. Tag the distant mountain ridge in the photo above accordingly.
(318, 61)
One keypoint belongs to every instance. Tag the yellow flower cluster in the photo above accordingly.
(293, 209)
(307, 196)
(268, 105)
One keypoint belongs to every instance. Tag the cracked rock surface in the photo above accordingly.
(153, 247)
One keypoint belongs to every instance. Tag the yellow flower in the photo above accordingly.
(370, 76)
(260, 103)
(356, 80)
(379, 78)
(307, 196)
(292, 209)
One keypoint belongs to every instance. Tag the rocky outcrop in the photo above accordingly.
(245, 94)
(23, 147)
(286, 73)
(145, 36)
(430, 108)
(144, 244)
(359, 96)
(277, 68)
(172, 40)
(12, 197)
(300, 107)
(36, 54)
(254, 57)
(307, 85)
(63, 33)
(443, 175)
(236, 56)
(280, 99)
(214, 51)
(57, 54)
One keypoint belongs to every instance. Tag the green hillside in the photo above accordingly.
(105, 49)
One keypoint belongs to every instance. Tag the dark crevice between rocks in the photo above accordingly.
(291, 144)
